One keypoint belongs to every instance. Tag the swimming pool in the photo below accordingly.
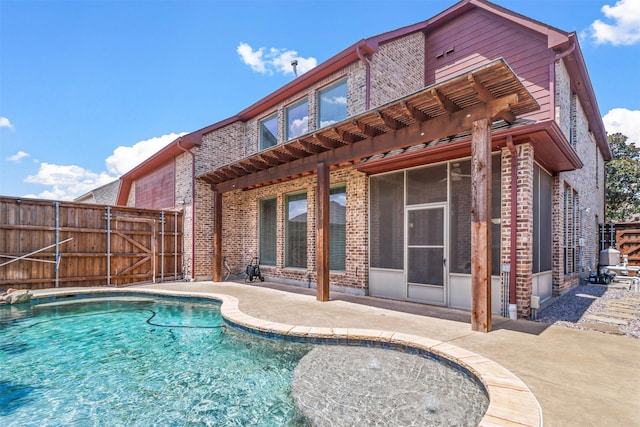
(93, 359)
(140, 361)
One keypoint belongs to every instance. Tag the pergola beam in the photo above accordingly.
(435, 128)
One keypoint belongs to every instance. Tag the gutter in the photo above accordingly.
(193, 208)
(552, 78)
(367, 66)
(513, 306)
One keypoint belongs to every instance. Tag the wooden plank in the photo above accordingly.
(481, 226)
(322, 233)
(217, 237)
(29, 225)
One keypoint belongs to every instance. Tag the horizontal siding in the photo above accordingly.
(478, 38)
(156, 190)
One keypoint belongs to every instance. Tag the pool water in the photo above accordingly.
(140, 361)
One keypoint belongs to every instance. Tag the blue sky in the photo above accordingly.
(88, 89)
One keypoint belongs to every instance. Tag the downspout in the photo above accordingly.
(193, 210)
(552, 78)
(513, 306)
(367, 66)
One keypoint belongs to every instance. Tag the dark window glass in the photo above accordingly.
(296, 231)
(268, 223)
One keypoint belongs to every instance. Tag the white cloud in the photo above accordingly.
(627, 122)
(625, 29)
(5, 123)
(16, 158)
(252, 58)
(273, 60)
(299, 126)
(124, 159)
(67, 182)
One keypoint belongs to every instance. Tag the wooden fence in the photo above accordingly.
(46, 244)
(625, 237)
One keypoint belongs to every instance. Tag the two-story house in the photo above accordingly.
(458, 161)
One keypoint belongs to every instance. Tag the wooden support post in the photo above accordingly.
(481, 225)
(217, 237)
(322, 233)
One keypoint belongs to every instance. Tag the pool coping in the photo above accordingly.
(511, 402)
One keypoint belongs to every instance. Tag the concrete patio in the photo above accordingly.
(580, 378)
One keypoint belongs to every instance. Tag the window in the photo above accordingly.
(269, 132)
(296, 231)
(337, 229)
(268, 222)
(332, 104)
(297, 119)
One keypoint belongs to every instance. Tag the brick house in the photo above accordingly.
(458, 161)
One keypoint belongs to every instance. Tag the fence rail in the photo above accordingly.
(46, 244)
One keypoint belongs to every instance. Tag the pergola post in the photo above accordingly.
(217, 236)
(322, 233)
(481, 225)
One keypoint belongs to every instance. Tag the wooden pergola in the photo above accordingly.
(469, 102)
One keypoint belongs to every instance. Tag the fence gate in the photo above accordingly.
(46, 244)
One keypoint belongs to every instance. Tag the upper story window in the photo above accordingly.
(269, 132)
(332, 104)
(297, 119)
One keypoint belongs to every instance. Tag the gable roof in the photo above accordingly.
(558, 40)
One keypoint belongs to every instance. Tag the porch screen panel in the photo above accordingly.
(296, 231)
(387, 221)
(426, 246)
(337, 231)
(546, 215)
(496, 214)
(268, 222)
(460, 217)
(427, 185)
(542, 212)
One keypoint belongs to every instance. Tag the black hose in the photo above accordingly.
(153, 314)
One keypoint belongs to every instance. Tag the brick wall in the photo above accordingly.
(240, 230)
(587, 182)
(397, 69)
(524, 224)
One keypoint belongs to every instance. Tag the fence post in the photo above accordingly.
(175, 245)
(108, 245)
(57, 257)
(162, 246)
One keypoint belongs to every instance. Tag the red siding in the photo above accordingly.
(156, 190)
(478, 38)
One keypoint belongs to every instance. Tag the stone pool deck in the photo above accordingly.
(580, 378)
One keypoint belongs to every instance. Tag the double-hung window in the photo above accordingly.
(296, 231)
(337, 227)
(297, 119)
(269, 132)
(332, 104)
(268, 227)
